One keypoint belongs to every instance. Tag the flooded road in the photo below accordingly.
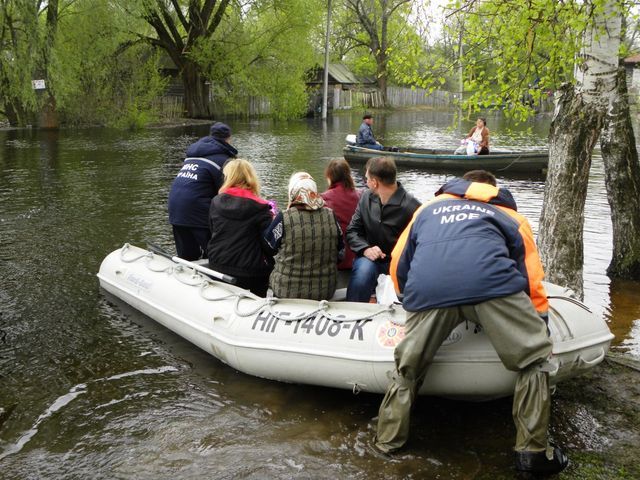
(92, 389)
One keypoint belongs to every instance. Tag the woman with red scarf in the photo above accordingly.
(237, 218)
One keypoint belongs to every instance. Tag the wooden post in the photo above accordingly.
(325, 80)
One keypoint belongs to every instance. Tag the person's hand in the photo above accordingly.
(374, 253)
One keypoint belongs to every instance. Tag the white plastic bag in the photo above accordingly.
(385, 290)
(471, 147)
(461, 150)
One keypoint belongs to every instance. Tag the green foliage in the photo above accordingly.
(263, 51)
(515, 53)
(19, 59)
(399, 52)
(113, 81)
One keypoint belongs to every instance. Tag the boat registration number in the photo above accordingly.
(315, 325)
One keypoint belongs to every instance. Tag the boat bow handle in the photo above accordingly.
(582, 363)
(551, 366)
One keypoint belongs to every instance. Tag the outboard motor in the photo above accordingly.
(350, 139)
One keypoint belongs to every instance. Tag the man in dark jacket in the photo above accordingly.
(365, 136)
(384, 210)
(468, 255)
(193, 189)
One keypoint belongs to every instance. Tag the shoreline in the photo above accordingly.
(598, 416)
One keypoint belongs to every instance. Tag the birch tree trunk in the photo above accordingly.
(574, 132)
(622, 178)
(577, 122)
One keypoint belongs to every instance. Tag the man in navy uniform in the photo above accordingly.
(193, 189)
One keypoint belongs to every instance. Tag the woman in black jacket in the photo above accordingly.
(237, 218)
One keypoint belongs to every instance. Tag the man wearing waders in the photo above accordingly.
(469, 256)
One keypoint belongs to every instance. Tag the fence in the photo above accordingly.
(409, 97)
(170, 107)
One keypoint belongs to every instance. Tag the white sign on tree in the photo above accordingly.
(38, 84)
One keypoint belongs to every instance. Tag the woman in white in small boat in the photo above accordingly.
(480, 136)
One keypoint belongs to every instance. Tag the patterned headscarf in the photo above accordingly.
(303, 192)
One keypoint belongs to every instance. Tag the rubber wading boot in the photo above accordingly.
(380, 454)
(539, 463)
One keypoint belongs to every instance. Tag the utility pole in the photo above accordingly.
(460, 72)
(325, 80)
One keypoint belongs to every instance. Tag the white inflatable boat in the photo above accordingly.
(333, 343)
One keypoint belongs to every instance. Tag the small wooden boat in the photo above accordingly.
(533, 162)
(333, 343)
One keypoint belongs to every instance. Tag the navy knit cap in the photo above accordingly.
(220, 130)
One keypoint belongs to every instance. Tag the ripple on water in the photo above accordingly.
(67, 199)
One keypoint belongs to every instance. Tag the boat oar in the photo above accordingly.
(163, 253)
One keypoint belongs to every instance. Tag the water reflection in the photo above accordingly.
(68, 198)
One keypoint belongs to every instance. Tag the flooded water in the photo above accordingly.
(92, 389)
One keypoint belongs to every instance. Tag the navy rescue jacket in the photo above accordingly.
(198, 181)
(467, 246)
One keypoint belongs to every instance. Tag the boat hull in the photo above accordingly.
(334, 344)
(510, 162)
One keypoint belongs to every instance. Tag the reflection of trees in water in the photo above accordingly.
(624, 314)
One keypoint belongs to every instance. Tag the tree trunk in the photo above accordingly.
(574, 133)
(196, 92)
(622, 178)
(577, 122)
(16, 114)
(382, 80)
(48, 117)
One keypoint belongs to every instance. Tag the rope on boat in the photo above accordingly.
(205, 282)
(149, 256)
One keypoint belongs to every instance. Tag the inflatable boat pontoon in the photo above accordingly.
(333, 343)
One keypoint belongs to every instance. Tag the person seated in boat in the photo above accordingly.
(468, 255)
(237, 219)
(341, 197)
(479, 135)
(365, 136)
(307, 243)
(197, 182)
(383, 211)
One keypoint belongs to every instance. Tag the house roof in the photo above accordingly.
(341, 73)
(633, 58)
(338, 73)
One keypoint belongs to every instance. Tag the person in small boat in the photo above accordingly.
(237, 219)
(197, 182)
(365, 136)
(307, 242)
(468, 255)
(479, 135)
(383, 211)
(341, 197)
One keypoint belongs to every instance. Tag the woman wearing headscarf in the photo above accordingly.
(307, 242)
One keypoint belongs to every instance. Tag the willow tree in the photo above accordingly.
(179, 26)
(265, 50)
(529, 47)
(21, 58)
(116, 80)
